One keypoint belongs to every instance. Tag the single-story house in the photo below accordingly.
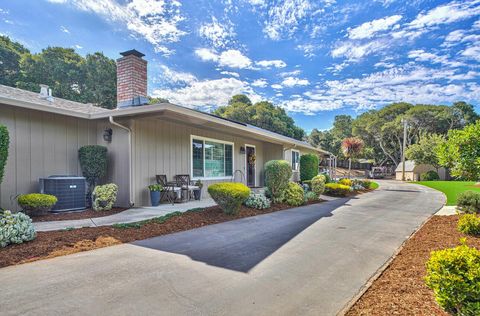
(146, 140)
(413, 171)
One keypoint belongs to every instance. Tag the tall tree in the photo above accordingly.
(425, 151)
(100, 80)
(461, 151)
(10, 56)
(262, 114)
(60, 68)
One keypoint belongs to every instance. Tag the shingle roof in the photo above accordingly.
(32, 97)
(409, 166)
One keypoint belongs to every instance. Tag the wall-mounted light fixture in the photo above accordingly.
(107, 135)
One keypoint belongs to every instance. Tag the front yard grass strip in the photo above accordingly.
(450, 188)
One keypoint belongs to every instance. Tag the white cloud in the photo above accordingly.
(271, 63)
(217, 33)
(368, 29)
(64, 29)
(230, 73)
(284, 18)
(170, 76)
(207, 93)
(472, 52)
(293, 81)
(206, 54)
(77, 46)
(407, 83)
(292, 73)
(447, 13)
(310, 107)
(308, 50)
(234, 58)
(422, 56)
(276, 86)
(230, 58)
(354, 51)
(262, 83)
(156, 21)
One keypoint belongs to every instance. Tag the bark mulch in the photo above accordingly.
(75, 215)
(400, 289)
(55, 243)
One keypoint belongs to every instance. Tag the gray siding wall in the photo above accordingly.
(118, 165)
(163, 147)
(41, 144)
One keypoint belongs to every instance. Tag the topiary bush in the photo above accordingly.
(294, 194)
(310, 196)
(36, 203)
(454, 276)
(104, 197)
(308, 166)
(346, 182)
(93, 161)
(277, 177)
(4, 143)
(229, 195)
(15, 228)
(337, 189)
(469, 224)
(318, 184)
(469, 201)
(258, 201)
(430, 176)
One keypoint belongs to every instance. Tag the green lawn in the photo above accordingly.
(373, 185)
(450, 188)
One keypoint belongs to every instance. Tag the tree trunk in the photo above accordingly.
(349, 167)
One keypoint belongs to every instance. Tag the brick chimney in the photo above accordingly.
(131, 79)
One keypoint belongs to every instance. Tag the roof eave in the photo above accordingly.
(35, 106)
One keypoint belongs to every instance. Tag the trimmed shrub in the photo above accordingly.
(257, 201)
(430, 176)
(229, 195)
(469, 224)
(277, 177)
(4, 143)
(310, 196)
(346, 182)
(318, 184)
(308, 166)
(36, 203)
(469, 201)
(337, 189)
(327, 178)
(104, 196)
(454, 276)
(15, 228)
(294, 194)
(93, 161)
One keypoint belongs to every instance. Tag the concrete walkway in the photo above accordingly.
(309, 260)
(128, 216)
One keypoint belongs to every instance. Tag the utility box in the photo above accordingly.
(71, 192)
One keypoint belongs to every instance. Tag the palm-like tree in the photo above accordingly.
(351, 147)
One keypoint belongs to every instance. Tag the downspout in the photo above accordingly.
(130, 163)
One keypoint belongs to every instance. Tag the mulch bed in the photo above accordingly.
(55, 243)
(400, 289)
(75, 215)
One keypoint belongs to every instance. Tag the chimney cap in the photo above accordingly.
(133, 52)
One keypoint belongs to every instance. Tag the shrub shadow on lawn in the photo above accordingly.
(242, 244)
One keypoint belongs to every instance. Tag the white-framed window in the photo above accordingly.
(211, 158)
(295, 160)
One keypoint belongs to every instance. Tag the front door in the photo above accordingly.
(250, 165)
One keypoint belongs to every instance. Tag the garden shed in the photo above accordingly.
(413, 171)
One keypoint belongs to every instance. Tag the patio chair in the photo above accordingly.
(187, 186)
(170, 190)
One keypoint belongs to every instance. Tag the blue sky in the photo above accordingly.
(315, 58)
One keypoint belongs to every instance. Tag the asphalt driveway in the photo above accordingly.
(308, 260)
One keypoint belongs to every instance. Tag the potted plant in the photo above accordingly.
(197, 193)
(155, 193)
